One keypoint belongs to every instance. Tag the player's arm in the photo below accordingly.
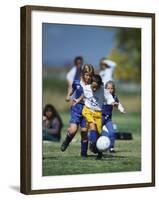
(111, 64)
(71, 90)
(121, 108)
(69, 93)
(69, 77)
(78, 100)
(109, 98)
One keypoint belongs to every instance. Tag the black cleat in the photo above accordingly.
(66, 143)
(84, 155)
(93, 148)
(99, 156)
(111, 150)
(64, 146)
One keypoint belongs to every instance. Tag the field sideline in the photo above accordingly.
(126, 158)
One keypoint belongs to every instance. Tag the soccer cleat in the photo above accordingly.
(66, 143)
(93, 148)
(64, 146)
(83, 155)
(99, 156)
(84, 148)
(111, 150)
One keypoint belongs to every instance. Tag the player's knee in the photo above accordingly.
(72, 130)
(83, 129)
(92, 126)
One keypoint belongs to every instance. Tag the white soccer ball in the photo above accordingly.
(103, 143)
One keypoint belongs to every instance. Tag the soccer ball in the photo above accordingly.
(103, 143)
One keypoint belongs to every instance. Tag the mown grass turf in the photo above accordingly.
(126, 158)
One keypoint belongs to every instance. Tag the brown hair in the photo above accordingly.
(113, 85)
(78, 58)
(55, 114)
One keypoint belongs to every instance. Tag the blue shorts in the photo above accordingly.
(106, 118)
(77, 117)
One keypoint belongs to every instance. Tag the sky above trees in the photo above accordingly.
(61, 43)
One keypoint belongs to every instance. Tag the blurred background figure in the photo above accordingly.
(52, 124)
(74, 73)
(106, 70)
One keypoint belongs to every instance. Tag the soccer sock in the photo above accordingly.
(112, 141)
(69, 138)
(93, 136)
(93, 139)
(84, 147)
(111, 133)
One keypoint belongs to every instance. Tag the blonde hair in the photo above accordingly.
(87, 68)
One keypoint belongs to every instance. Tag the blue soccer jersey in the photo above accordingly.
(76, 110)
(77, 89)
(108, 109)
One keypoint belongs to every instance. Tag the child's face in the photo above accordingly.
(95, 86)
(103, 66)
(87, 77)
(79, 63)
(110, 88)
(48, 114)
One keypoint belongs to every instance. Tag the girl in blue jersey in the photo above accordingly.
(76, 110)
(107, 114)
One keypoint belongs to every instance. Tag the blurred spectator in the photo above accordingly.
(74, 73)
(52, 124)
(106, 70)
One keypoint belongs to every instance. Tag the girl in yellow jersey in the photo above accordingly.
(94, 96)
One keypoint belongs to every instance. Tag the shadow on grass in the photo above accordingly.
(105, 157)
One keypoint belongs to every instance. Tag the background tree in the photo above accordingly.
(127, 54)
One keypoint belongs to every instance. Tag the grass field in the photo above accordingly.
(128, 153)
(126, 158)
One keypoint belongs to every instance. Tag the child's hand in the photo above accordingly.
(121, 108)
(44, 118)
(123, 112)
(67, 98)
(115, 104)
(75, 101)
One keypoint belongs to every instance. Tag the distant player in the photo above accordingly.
(74, 73)
(76, 110)
(107, 114)
(106, 70)
(94, 96)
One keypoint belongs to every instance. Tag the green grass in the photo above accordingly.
(126, 158)
(128, 153)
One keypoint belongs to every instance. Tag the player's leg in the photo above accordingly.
(98, 122)
(84, 136)
(93, 135)
(88, 115)
(111, 135)
(72, 130)
(84, 141)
